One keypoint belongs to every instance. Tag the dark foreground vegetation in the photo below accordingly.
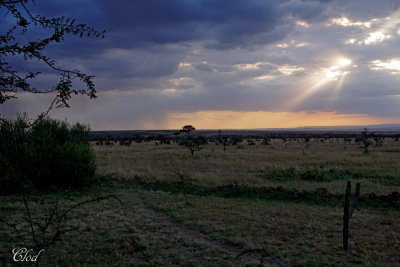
(236, 200)
(45, 154)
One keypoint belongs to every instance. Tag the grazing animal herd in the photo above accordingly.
(111, 143)
(364, 139)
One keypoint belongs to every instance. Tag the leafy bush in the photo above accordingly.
(46, 154)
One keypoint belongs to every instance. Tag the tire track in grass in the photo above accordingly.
(236, 255)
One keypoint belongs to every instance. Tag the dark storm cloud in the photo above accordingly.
(160, 22)
(146, 30)
(225, 23)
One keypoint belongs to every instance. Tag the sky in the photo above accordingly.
(226, 64)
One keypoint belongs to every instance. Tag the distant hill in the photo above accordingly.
(375, 128)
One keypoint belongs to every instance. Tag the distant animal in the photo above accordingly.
(125, 143)
(166, 142)
(108, 143)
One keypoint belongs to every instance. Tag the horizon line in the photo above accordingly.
(339, 127)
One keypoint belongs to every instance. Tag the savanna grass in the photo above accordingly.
(279, 164)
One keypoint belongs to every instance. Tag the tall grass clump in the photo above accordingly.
(48, 153)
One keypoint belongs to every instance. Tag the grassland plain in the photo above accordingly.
(288, 164)
(225, 213)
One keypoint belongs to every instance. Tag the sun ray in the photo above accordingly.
(337, 89)
(323, 80)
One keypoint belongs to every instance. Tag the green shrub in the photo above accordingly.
(49, 153)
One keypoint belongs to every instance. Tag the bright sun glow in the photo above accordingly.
(344, 61)
(339, 69)
(335, 73)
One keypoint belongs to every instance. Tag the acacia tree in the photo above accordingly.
(188, 129)
(365, 139)
(15, 43)
(193, 143)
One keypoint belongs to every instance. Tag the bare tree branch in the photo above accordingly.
(13, 81)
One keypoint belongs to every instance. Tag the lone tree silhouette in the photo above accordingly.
(24, 39)
(193, 143)
(188, 129)
(365, 139)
